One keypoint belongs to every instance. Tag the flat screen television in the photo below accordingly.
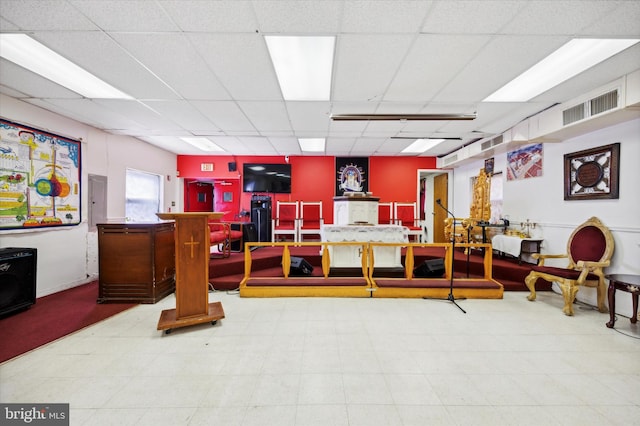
(263, 177)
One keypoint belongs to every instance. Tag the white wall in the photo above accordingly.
(68, 256)
(541, 200)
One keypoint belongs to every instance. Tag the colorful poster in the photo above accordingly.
(39, 178)
(351, 174)
(525, 162)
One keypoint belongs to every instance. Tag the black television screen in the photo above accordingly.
(263, 177)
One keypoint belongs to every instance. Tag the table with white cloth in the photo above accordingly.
(350, 256)
(516, 246)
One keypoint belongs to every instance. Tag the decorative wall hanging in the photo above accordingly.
(39, 178)
(352, 174)
(525, 162)
(592, 173)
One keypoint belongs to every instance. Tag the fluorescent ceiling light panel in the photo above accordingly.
(303, 66)
(422, 145)
(34, 56)
(571, 59)
(203, 143)
(311, 144)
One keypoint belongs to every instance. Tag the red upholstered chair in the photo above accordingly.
(385, 214)
(285, 223)
(406, 214)
(310, 219)
(589, 250)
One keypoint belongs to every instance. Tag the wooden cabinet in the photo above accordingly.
(136, 262)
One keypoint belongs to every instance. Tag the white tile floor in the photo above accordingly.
(325, 361)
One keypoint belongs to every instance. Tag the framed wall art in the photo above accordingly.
(592, 173)
(39, 178)
(352, 173)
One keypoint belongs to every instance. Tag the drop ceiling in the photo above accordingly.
(202, 67)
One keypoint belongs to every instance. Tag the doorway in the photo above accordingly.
(198, 196)
(433, 186)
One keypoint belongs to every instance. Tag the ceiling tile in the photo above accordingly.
(130, 15)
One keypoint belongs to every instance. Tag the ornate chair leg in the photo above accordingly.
(530, 282)
(602, 294)
(569, 293)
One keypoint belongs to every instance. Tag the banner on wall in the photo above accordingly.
(525, 162)
(39, 178)
(352, 174)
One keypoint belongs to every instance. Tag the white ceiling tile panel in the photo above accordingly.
(184, 114)
(357, 56)
(230, 144)
(175, 61)
(285, 145)
(302, 17)
(561, 17)
(242, 63)
(430, 65)
(131, 15)
(45, 15)
(102, 56)
(471, 16)
(384, 16)
(258, 145)
(309, 116)
(623, 21)
(339, 145)
(7, 26)
(267, 116)
(367, 144)
(211, 16)
(225, 115)
(139, 112)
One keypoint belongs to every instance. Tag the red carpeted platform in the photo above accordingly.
(52, 317)
(226, 274)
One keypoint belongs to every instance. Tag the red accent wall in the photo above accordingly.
(314, 178)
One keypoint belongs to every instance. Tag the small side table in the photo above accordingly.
(625, 282)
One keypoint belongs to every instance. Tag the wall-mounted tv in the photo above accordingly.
(263, 177)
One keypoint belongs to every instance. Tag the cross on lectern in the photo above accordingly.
(192, 243)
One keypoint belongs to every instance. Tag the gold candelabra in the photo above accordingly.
(527, 227)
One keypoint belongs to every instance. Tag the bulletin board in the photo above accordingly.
(39, 178)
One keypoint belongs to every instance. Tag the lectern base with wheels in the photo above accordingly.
(192, 272)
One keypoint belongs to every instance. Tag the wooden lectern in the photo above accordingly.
(192, 272)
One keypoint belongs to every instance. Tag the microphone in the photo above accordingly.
(439, 202)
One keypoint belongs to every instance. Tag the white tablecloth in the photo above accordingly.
(509, 244)
(377, 233)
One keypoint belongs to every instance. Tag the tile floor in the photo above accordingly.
(326, 361)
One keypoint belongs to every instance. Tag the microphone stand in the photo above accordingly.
(451, 297)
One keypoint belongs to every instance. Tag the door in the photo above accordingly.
(226, 196)
(199, 196)
(97, 200)
(440, 192)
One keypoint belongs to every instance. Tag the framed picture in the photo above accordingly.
(40, 174)
(352, 174)
(488, 165)
(592, 173)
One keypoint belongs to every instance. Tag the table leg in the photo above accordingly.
(634, 316)
(612, 304)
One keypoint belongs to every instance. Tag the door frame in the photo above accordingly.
(430, 205)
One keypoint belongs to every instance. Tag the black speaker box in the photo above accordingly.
(432, 268)
(17, 278)
(249, 233)
(232, 166)
(299, 266)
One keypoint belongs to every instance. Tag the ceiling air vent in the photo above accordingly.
(604, 102)
(451, 159)
(573, 114)
(491, 142)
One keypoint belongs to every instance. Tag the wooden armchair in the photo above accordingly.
(589, 250)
